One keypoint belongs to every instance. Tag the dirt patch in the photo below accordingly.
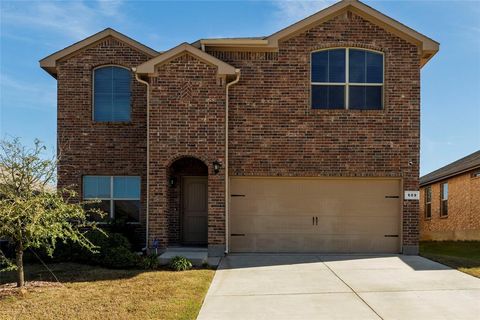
(10, 289)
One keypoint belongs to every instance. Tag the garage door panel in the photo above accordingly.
(273, 214)
(272, 224)
(351, 225)
(312, 243)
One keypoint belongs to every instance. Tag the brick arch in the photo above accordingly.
(177, 157)
(349, 44)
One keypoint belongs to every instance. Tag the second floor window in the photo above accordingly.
(111, 94)
(444, 199)
(347, 78)
(428, 202)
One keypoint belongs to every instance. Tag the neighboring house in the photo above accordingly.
(323, 123)
(450, 201)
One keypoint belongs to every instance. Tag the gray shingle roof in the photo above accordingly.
(467, 163)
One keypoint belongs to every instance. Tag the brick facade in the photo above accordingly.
(187, 112)
(88, 148)
(273, 130)
(463, 220)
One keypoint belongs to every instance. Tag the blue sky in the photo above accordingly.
(31, 30)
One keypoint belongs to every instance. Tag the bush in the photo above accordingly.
(150, 262)
(180, 264)
(114, 251)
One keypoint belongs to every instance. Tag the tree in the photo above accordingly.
(32, 213)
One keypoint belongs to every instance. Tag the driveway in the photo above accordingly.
(288, 286)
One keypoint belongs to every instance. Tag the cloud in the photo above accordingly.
(290, 11)
(73, 19)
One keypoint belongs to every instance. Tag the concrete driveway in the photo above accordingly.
(287, 286)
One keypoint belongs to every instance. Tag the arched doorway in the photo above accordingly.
(188, 202)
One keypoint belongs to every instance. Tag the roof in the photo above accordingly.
(148, 67)
(49, 63)
(427, 46)
(463, 165)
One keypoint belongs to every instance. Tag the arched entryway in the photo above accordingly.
(188, 202)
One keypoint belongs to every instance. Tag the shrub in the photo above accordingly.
(114, 251)
(180, 264)
(150, 262)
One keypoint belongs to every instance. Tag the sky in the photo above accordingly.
(31, 30)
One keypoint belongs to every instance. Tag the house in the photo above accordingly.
(301, 141)
(450, 201)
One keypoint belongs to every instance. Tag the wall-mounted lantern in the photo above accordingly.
(216, 166)
(172, 182)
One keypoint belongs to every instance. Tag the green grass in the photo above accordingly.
(461, 255)
(97, 293)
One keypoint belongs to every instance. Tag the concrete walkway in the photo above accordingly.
(303, 287)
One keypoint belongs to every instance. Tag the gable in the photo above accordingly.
(427, 47)
(149, 66)
(49, 63)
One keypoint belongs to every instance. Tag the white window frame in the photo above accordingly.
(111, 198)
(347, 83)
(93, 93)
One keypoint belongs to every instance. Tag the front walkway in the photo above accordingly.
(303, 287)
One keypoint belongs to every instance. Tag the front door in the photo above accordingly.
(195, 210)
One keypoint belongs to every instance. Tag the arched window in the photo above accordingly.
(347, 78)
(111, 94)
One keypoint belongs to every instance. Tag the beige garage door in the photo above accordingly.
(314, 215)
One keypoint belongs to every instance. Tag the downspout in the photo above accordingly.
(227, 192)
(148, 155)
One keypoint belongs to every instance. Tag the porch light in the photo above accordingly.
(216, 166)
(172, 182)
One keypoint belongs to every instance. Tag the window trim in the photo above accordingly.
(442, 214)
(427, 202)
(347, 84)
(112, 199)
(93, 93)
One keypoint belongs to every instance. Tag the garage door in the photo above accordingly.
(314, 215)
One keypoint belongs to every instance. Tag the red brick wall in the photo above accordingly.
(463, 220)
(274, 131)
(187, 110)
(88, 148)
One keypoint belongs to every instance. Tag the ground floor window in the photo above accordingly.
(119, 196)
(428, 202)
(444, 199)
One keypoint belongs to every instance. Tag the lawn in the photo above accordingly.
(97, 293)
(461, 255)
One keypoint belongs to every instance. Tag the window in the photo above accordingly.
(347, 79)
(111, 94)
(476, 174)
(444, 199)
(428, 202)
(119, 196)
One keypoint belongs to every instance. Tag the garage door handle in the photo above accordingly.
(316, 221)
(313, 221)
(237, 195)
(392, 197)
(391, 235)
(237, 234)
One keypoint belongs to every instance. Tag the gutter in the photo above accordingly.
(148, 155)
(227, 191)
